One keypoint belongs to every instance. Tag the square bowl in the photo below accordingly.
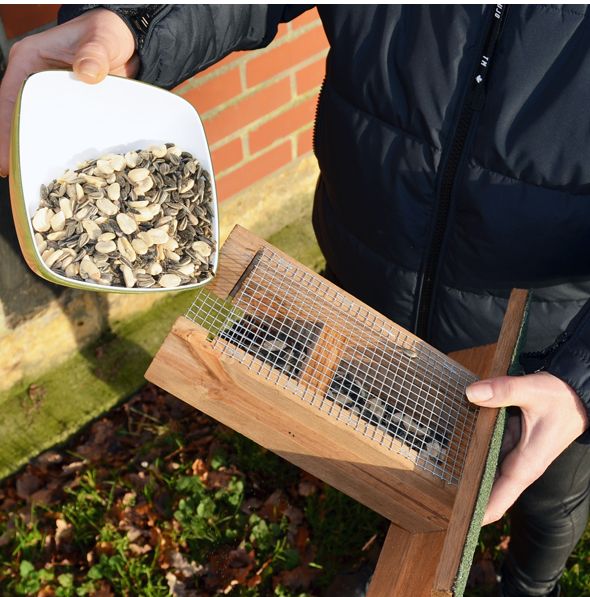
(60, 121)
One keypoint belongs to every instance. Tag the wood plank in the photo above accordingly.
(478, 360)
(407, 564)
(328, 351)
(188, 367)
(478, 450)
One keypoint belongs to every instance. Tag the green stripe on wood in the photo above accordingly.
(489, 473)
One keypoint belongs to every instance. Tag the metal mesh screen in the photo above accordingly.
(300, 332)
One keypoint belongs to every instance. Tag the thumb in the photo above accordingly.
(496, 392)
(92, 62)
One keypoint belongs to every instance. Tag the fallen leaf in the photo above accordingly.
(299, 577)
(504, 543)
(104, 590)
(177, 587)
(27, 484)
(275, 505)
(48, 458)
(250, 505)
(139, 550)
(73, 467)
(307, 487)
(182, 565)
(482, 573)
(64, 532)
(200, 469)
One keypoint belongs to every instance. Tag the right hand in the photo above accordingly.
(95, 44)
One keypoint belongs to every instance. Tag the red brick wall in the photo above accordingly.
(19, 19)
(257, 107)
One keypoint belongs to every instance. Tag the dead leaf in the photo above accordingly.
(482, 573)
(27, 484)
(177, 587)
(64, 532)
(250, 505)
(307, 487)
(104, 547)
(200, 469)
(139, 550)
(300, 577)
(104, 590)
(73, 467)
(504, 543)
(182, 565)
(48, 458)
(301, 538)
(295, 515)
(274, 507)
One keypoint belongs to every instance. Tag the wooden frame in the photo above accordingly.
(429, 518)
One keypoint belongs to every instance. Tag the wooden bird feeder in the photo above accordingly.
(281, 355)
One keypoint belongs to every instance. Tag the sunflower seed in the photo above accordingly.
(137, 220)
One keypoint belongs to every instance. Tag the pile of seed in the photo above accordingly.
(143, 219)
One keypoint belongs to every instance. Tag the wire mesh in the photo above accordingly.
(301, 333)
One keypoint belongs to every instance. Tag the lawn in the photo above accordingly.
(155, 499)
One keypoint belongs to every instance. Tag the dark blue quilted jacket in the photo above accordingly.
(454, 148)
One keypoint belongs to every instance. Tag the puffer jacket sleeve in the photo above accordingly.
(569, 356)
(184, 39)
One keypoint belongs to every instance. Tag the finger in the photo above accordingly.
(511, 436)
(92, 62)
(16, 72)
(505, 492)
(501, 391)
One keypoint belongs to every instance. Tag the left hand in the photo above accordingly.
(552, 417)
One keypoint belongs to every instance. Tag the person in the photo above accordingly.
(453, 147)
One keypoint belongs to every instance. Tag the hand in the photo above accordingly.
(552, 417)
(95, 44)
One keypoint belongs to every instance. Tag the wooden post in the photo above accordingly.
(407, 564)
(430, 561)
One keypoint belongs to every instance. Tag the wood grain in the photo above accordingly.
(407, 564)
(478, 450)
(190, 369)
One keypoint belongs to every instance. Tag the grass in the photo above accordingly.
(55, 405)
(196, 508)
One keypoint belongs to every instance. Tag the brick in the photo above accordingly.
(215, 91)
(282, 30)
(254, 170)
(227, 155)
(287, 55)
(310, 76)
(305, 141)
(282, 125)
(247, 110)
(229, 59)
(306, 18)
(19, 19)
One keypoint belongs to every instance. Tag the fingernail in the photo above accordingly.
(89, 68)
(479, 392)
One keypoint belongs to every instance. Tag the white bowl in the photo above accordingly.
(59, 122)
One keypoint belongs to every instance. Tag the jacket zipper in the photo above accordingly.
(315, 120)
(473, 103)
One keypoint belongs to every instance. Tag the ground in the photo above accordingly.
(155, 498)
